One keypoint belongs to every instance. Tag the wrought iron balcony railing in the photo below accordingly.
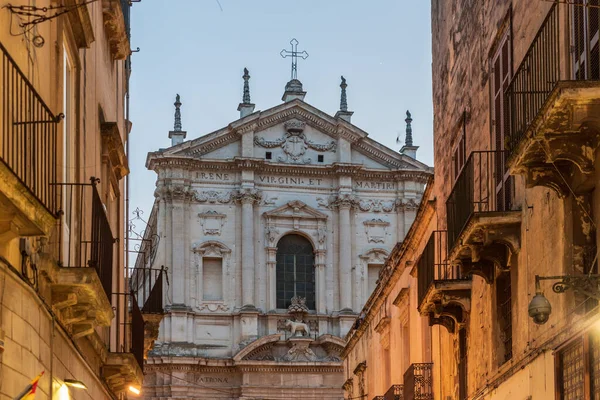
(559, 41)
(86, 239)
(137, 331)
(433, 265)
(418, 382)
(483, 186)
(535, 79)
(395, 392)
(28, 133)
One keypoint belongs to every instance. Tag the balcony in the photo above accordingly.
(124, 364)
(116, 23)
(418, 382)
(484, 226)
(81, 280)
(553, 103)
(444, 292)
(28, 156)
(395, 392)
(148, 285)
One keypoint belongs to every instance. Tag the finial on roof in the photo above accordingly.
(246, 107)
(177, 127)
(177, 135)
(343, 113)
(408, 149)
(343, 100)
(246, 97)
(408, 141)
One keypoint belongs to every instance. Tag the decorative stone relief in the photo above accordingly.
(407, 204)
(300, 352)
(213, 307)
(376, 230)
(376, 205)
(212, 222)
(295, 143)
(268, 201)
(213, 196)
(248, 196)
(271, 234)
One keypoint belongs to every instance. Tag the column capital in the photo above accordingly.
(344, 201)
(248, 196)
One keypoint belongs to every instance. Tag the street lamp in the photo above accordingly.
(540, 308)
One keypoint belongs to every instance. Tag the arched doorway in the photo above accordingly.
(295, 273)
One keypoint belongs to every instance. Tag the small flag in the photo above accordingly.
(29, 392)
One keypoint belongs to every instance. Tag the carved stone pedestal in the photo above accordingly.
(299, 349)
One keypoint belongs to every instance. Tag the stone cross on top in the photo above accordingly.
(294, 54)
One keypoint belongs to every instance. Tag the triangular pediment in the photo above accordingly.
(295, 209)
(327, 128)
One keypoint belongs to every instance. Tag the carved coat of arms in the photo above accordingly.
(294, 144)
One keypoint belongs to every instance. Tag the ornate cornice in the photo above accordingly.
(158, 161)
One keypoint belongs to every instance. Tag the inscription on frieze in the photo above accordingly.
(292, 181)
(374, 185)
(212, 379)
(215, 176)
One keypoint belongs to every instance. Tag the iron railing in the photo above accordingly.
(540, 70)
(483, 185)
(86, 240)
(433, 264)
(418, 382)
(395, 392)
(28, 133)
(152, 301)
(137, 332)
(128, 331)
(534, 80)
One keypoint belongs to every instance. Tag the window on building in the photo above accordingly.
(501, 74)
(212, 279)
(295, 275)
(584, 40)
(373, 276)
(578, 368)
(320, 158)
(268, 155)
(459, 156)
(462, 364)
(504, 316)
(68, 159)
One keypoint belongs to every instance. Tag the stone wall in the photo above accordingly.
(465, 37)
(35, 342)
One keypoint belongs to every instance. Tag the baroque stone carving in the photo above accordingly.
(213, 197)
(376, 230)
(295, 143)
(212, 222)
(407, 204)
(271, 234)
(213, 307)
(297, 328)
(300, 352)
(376, 205)
(248, 196)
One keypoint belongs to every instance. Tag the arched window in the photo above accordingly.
(295, 271)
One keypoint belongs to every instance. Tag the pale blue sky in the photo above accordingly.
(191, 47)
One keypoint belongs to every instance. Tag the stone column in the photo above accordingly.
(345, 255)
(177, 195)
(248, 198)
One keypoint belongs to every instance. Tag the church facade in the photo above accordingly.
(273, 231)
